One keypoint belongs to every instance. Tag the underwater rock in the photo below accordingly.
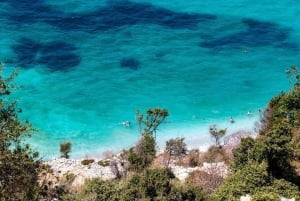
(55, 55)
(130, 63)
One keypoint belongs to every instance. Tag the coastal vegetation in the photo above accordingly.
(266, 167)
(19, 165)
(65, 149)
(217, 134)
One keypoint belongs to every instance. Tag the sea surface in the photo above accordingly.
(87, 66)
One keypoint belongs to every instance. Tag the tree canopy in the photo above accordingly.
(18, 164)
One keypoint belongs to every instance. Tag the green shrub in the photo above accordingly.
(103, 163)
(65, 149)
(19, 166)
(265, 196)
(283, 188)
(87, 161)
(96, 189)
(142, 155)
(247, 180)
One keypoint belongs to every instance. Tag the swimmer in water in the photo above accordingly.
(231, 120)
(126, 124)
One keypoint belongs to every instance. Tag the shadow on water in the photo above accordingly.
(258, 34)
(56, 55)
(120, 13)
(115, 14)
(130, 63)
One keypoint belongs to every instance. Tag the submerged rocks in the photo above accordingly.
(130, 62)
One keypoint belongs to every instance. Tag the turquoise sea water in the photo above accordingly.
(89, 65)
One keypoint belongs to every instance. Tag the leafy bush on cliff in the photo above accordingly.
(18, 164)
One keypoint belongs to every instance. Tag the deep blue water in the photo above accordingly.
(88, 66)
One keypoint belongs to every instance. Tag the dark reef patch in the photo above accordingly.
(257, 34)
(26, 51)
(56, 55)
(115, 14)
(118, 13)
(130, 63)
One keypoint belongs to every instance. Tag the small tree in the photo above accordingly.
(142, 155)
(152, 120)
(193, 158)
(217, 134)
(65, 149)
(175, 148)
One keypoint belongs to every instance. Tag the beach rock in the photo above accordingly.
(245, 198)
(219, 168)
(182, 173)
(63, 166)
(286, 199)
(248, 198)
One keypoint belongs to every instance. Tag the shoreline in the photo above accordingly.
(101, 168)
(75, 168)
(196, 137)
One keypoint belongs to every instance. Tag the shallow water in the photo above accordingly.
(87, 67)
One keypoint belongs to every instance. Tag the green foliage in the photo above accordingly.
(186, 192)
(265, 196)
(157, 184)
(103, 163)
(65, 149)
(18, 165)
(151, 183)
(283, 188)
(96, 189)
(217, 134)
(153, 119)
(87, 161)
(276, 145)
(243, 153)
(175, 148)
(142, 155)
(247, 180)
(273, 151)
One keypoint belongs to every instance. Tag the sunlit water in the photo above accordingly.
(89, 65)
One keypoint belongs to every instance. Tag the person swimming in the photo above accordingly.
(126, 124)
(231, 120)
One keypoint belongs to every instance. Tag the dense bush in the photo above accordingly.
(247, 180)
(142, 155)
(263, 167)
(265, 196)
(96, 189)
(18, 163)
